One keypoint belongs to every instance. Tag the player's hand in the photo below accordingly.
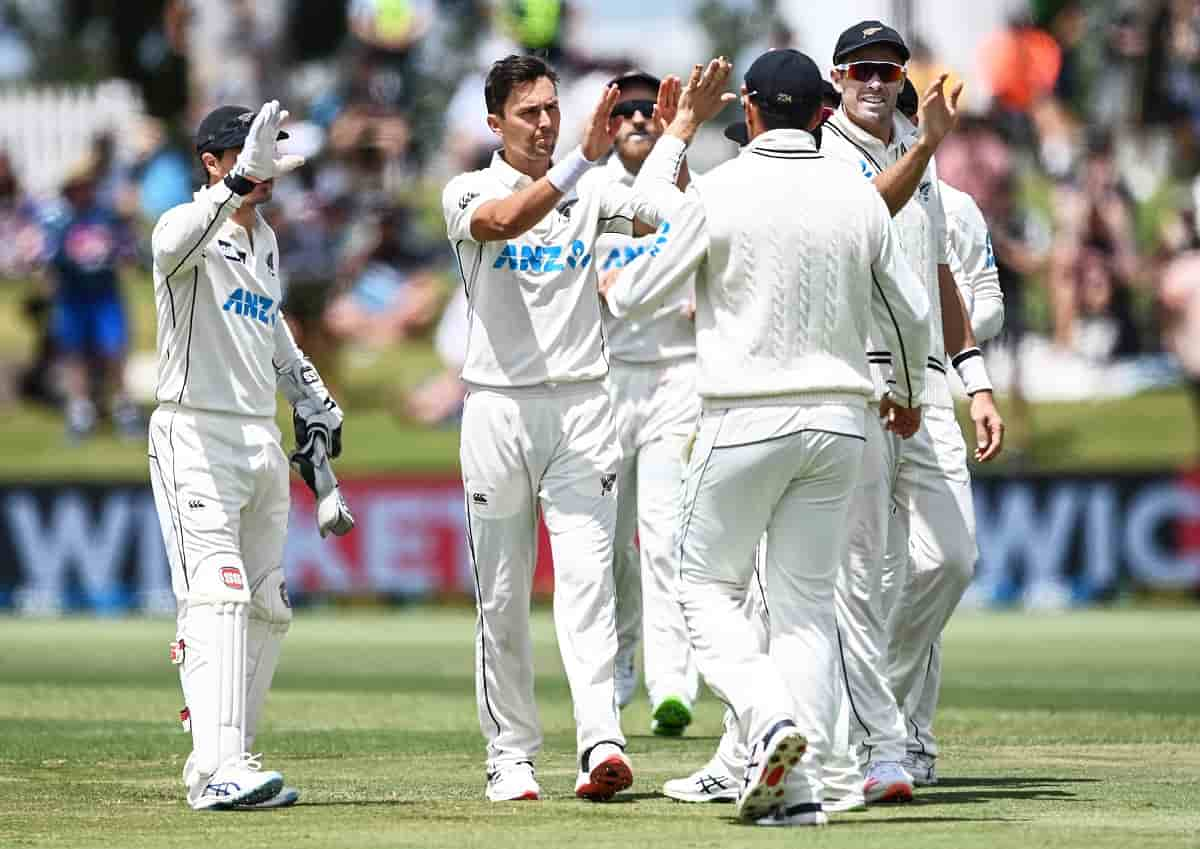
(601, 129)
(258, 160)
(937, 113)
(902, 421)
(667, 105)
(312, 462)
(989, 427)
(704, 96)
(606, 280)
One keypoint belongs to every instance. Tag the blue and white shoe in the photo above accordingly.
(240, 782)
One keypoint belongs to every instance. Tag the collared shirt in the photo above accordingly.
(793, 255)
(533, 309)
(666, 334)
(217, 295)
(973, 263)
(921, 224)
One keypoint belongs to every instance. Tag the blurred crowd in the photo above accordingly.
(1083, 161)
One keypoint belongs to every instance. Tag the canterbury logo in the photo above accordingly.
(195, 504)
(465, 200)
(478, 498)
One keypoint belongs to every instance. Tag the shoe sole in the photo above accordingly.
(843, 806)
(285, 798)
(766, 791)
(607, 778)
(265, 791)
(816, 820)
(527, 796)
(892, 793)
(671, 718)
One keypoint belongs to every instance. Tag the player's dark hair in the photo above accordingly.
(510, 72)
(797, 119)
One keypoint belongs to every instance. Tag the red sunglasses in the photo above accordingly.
(864, 72)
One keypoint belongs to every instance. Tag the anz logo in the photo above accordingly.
(621, 257)
(543, 259)
(249, 305)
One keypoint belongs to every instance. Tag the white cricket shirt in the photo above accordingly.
(921, 225)
(665, 334)
(534, 311)
(973, 262)
(218, 307)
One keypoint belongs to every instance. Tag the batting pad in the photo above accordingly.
(270, 618)
(213, 675)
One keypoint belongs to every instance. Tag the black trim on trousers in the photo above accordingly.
(849, 693)
(176, 513)
(487, 702)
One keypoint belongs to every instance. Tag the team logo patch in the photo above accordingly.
(231, 252)
(607, 483)
(479, 498)
(283, 594)
(177, 651)
(870, 31)
(924, 190)
(465, 200)
(271, 262)
(231, 576)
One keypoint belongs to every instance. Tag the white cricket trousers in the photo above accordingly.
(220, 485)
(886, 627)
(553, 446)
(931, 556)
(796, 488)
(655, 407)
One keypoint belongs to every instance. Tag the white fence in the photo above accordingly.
(46, 129)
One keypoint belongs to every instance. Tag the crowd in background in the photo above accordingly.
(1083, 162)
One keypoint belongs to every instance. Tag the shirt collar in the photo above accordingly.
(508, 175)
(902, 131)
(790, 140)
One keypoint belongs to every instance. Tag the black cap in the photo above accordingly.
(783, 82)
(631, 78)
(226, 127)
(867, 33)
(907, 101)
(830, 92)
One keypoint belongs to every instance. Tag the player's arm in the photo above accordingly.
(967, 360)
(969, 248)
(938, 115)
(900, 309)
(509, 217)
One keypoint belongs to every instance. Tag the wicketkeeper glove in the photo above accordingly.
(312, 462)
(258, 157)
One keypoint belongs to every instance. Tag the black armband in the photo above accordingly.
(238, 184)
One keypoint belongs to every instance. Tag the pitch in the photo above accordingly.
(1073, 730)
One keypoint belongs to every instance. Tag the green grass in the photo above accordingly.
(1080, 730)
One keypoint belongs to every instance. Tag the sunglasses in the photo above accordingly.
(864, 72)
(626, 109)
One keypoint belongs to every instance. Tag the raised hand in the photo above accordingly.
(705, 94)
(667, 105)
(937, 113)
(601, 129)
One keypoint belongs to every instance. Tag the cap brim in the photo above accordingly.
(738, 132)
(883, 39)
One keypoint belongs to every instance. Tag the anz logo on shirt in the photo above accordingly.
(621, 257)
(251, 306)
(541, 259)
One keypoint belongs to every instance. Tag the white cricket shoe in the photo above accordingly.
(239, 781)
(606, 771)
(771, 760)
(513, 783)
(922, 768)
(711, 783)
(849, 802)
(285, 798)
(887, 781)
(785, 815)
(625, 678)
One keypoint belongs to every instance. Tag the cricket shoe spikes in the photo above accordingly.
(887, 781)
(710, 783)
(606, 771)
(513, 783)
(239, 781)
(772, 758)
(922, 768)
(793, 815)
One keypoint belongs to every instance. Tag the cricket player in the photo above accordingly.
(784, 298)
(537, 424)
(909, 576)
(218, 471)
(926, 477)
(653, 389)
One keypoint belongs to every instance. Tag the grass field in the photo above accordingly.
(1080, 730)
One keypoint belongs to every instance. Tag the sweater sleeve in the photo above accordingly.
(183, 232)
(900, 307)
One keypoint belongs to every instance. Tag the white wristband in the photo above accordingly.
(566, 174)
(970, 367)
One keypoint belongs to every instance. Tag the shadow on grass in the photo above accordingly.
(687, 738)
(1008, 781)
(842, 823)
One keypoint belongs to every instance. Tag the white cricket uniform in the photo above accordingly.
(218, 471)
(923, 583)
(904, 476)
(783, 303)
(652, 385)
(537, 429)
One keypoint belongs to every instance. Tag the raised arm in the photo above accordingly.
(938, 115)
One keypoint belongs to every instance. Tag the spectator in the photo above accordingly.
(1179, 297)
(85, 244)
(438, 401)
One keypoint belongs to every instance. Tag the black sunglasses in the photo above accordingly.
(626, 109)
